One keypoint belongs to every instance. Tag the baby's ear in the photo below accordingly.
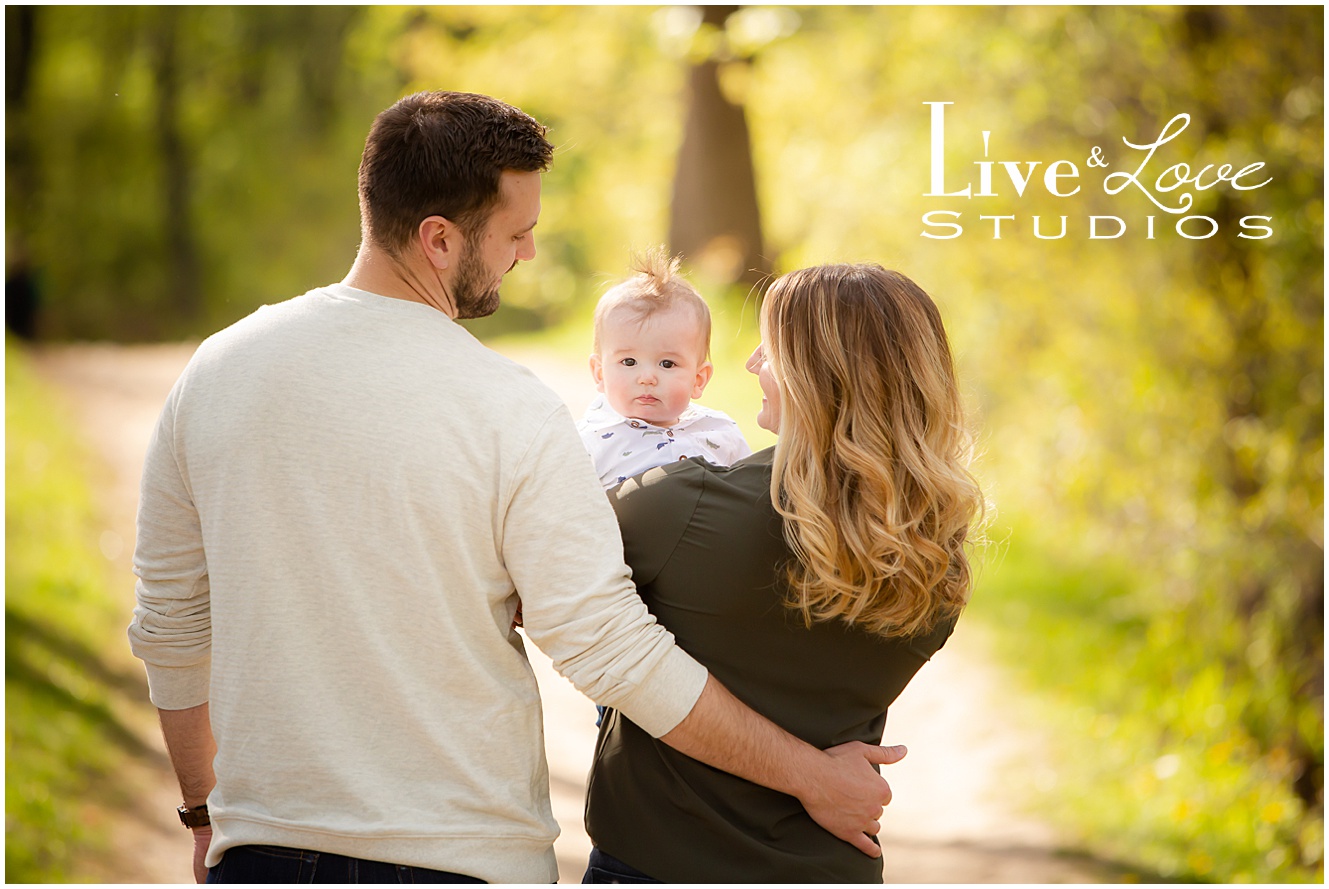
(598, 373)
(703, 377)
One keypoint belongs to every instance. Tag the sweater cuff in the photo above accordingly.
(179, 688)
(668, 694)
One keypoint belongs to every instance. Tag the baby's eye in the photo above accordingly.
(667, 364)
(629, 362)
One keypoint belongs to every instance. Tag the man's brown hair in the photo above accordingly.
(442, 153)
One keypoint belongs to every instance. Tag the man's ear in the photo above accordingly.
(703, 377)
(598, 373)
(440, 240)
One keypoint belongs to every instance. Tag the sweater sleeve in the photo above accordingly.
(562, 548)
(171, 629)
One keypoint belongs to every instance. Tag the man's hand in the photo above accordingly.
(188, 735)
(202, 839)
(847, 796)
(839, 787)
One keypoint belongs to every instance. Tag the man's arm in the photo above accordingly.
(189, 742)
(839, 787)
(171, 630)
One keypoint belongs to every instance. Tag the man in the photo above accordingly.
(342, 500)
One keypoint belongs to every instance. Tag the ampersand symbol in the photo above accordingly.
(1096, 158)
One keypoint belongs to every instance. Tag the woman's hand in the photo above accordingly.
(847, 796)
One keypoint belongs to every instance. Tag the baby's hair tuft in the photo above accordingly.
(658, 285)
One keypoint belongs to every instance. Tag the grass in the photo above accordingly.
(1152, 765)
(70, 685)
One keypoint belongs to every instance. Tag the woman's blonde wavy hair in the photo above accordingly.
(871, 467)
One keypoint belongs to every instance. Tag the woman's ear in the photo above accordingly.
(440, 241)
(703, 377)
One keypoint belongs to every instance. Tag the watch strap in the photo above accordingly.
(197, 816)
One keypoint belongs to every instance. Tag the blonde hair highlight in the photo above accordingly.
(871, 466)
(658, 286)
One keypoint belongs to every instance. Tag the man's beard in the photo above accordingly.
(472, 294)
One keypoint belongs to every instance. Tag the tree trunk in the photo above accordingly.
(21, 296)
(321, 61)
(20, 41)
(714, 218)
(182, 251)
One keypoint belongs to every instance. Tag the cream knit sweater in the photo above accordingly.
(342, 500)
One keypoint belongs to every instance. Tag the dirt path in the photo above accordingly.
(955, 817)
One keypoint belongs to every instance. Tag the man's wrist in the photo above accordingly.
(194, 816)
(803, 766)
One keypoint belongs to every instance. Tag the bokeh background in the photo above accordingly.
(1149, 410)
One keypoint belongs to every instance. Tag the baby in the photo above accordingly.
(652, 344)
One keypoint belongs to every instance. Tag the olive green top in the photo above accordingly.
(705, 545)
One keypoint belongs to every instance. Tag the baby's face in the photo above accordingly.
(651, 369)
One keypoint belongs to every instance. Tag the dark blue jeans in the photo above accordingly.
(278, 864)
(604, 868)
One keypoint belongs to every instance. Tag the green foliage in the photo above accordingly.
(1159, 397)
(1154, 401)
(67, 682)
(1157, 767)
(272, 162)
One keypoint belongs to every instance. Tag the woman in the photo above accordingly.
(813, 578)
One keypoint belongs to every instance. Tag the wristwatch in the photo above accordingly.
(195, 817)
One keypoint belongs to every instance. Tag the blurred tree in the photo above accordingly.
(714, 220)
(184, 275)
(1231, 361)
(21, 294)
(1264, 373)
(180, 131)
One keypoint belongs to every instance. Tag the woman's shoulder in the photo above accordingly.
(656, 508)
(686, 480)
